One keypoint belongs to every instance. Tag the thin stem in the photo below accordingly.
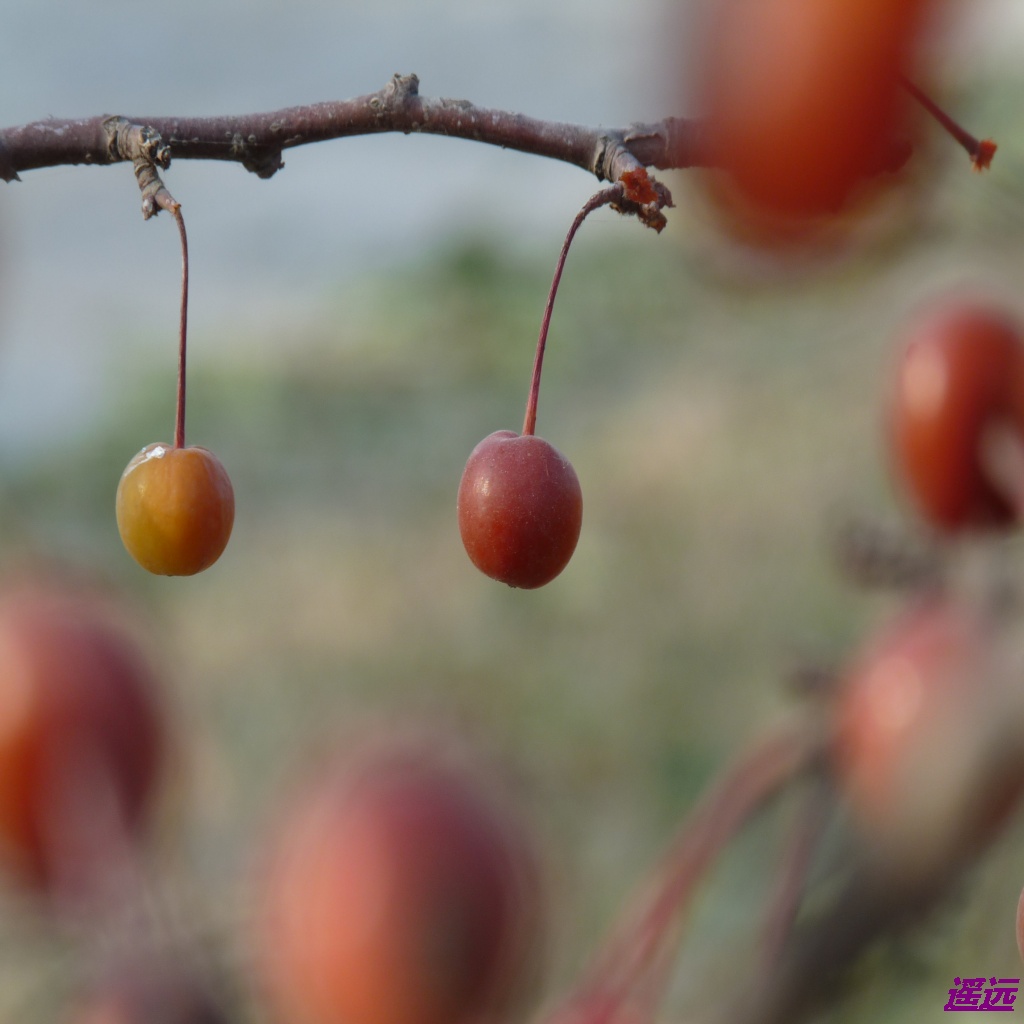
(179, 417)
(980, 151)
(809, 972)
(639, 947)
(602, 198)
(810, 824)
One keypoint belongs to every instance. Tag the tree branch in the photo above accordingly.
(257, 141)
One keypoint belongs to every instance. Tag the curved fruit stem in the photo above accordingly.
(603, 198)
(806, 833)
(179, 417)
(636, 958)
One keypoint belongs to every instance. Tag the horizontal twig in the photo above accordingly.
(257, 141)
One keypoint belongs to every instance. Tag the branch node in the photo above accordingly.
(155, 196)
(129, 141)
(643, 196)
(601, 161)
(262, 161)
(395, 95)
(400, 89)
(147, 151)
(393, 104)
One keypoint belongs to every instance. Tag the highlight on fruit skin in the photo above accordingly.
(520, 509)
(398, 890)
(83, 737)
(926, 747)
(175, 509)
(957, 394)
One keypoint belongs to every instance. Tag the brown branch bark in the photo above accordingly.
(257, 141)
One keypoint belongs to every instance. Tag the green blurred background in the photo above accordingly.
(721, 417)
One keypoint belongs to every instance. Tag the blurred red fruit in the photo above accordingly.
(919, 751)
(804, 104)
(81, 735)
(959, 381)
(398, 894)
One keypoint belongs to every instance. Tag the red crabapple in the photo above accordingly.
(520, 509)
(925, 749)
(81, 735)
(398, 892)
(803, 104)
(175, 504)
(959, 392)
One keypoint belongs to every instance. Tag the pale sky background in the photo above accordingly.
(79, 269)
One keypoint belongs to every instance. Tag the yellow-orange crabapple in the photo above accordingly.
(175, 509)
